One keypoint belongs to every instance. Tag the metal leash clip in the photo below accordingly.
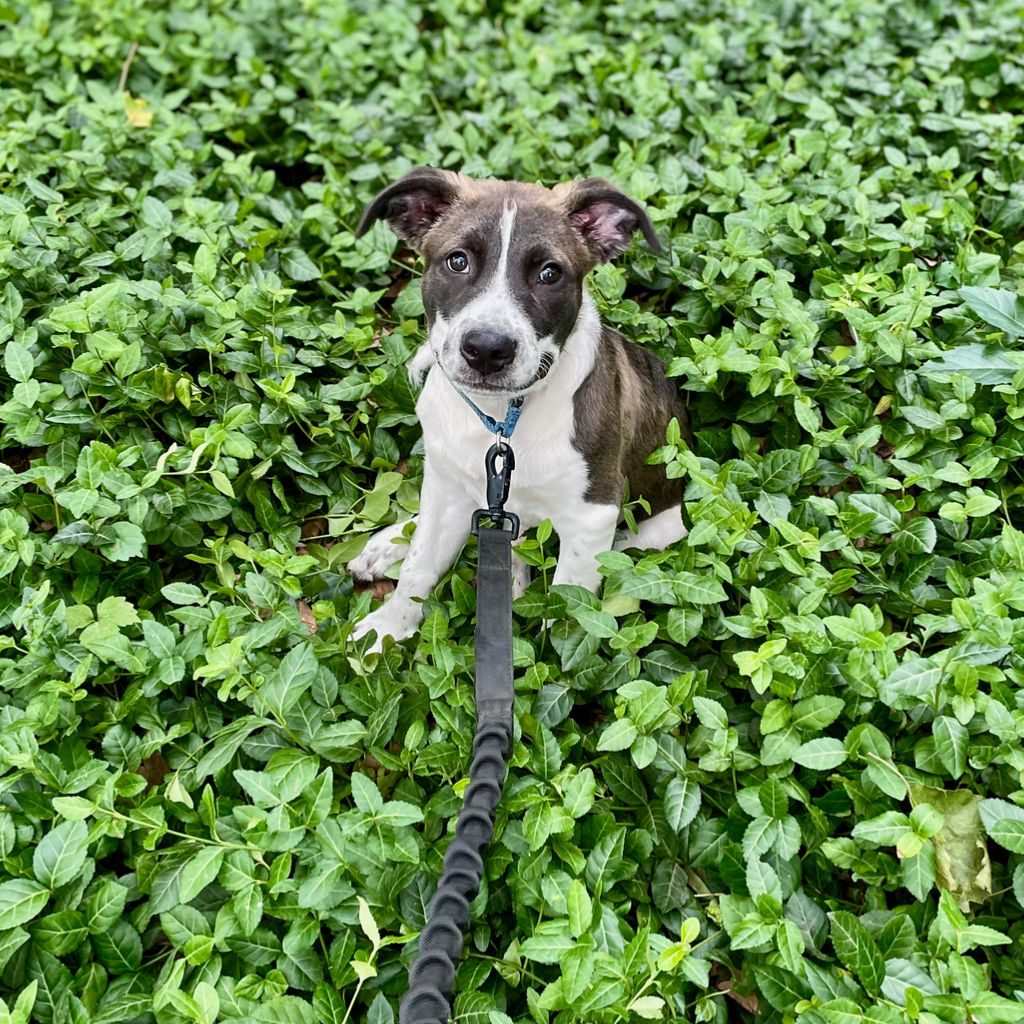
(498, 483)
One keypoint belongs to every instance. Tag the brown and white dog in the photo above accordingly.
(508, 315)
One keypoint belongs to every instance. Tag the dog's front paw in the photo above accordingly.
(382, 550)
(397, 619)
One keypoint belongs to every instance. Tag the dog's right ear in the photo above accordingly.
(606, 217)
(413, 204)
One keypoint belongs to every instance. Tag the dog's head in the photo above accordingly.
(505, 263)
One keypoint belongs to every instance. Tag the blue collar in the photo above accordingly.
(504, 427)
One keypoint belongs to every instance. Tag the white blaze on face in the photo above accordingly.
(508, 222)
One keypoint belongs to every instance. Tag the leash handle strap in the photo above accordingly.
(494, 690)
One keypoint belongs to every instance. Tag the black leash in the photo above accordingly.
(432, 975)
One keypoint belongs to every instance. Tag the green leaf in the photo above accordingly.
(915, 537)
(299, 266)
(884, 517)
(328, 1006)
(981, 505)
(791, 946)
(951, 740)
(547, 755)
(399, 813)
(103, 639)
(618, 736)
(884, 830)
(984, 364)
(293, 677)
(682, 802)
(182, 593)
(710, 713)
(380, 1011)
(106, 906)
(61, 854)
(200, 870)
(699, 589)
(577, 971)
(820, 754)
(579, 907)
(1008, 833)
(117, 610)
(683, 624)
(205, 264)
(18, 361)
(20, 900)
(578, 795)
(857, 950)
(10, 942)
(259, 786)
(325, 888)
(980, 935)
(997, 307)
(596, 623)
(647, 1007)
(366, 794)
(549, 943)
(814, 713)
(155, 214)
(992, 1008)
(913, 679)
(918, 873)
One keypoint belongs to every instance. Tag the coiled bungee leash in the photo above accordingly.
(432, 975)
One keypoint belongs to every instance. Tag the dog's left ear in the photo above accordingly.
(413, 204)
(607, 218)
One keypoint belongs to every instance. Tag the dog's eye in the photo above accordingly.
(550, 273)
(458, 263)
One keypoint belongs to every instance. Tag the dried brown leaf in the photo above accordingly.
(154, 769)
(306, 614)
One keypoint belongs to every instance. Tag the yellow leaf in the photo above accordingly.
(364, 971)
(178, 793)
(183, 390)
(367, 923)
(962, 863)
(136, 111)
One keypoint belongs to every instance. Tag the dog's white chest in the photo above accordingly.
(549, 472)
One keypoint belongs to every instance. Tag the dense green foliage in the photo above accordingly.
(773, 774)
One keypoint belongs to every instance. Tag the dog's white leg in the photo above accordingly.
(441, 529)
(656, 533)
(520, 577)
(382, 550)
(584, 531)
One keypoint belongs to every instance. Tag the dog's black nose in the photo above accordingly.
(488, 351)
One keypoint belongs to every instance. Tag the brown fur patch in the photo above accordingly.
(621, 412)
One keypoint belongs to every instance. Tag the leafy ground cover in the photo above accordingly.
(774, 774)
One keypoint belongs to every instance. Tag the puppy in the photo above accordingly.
(508, 316)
